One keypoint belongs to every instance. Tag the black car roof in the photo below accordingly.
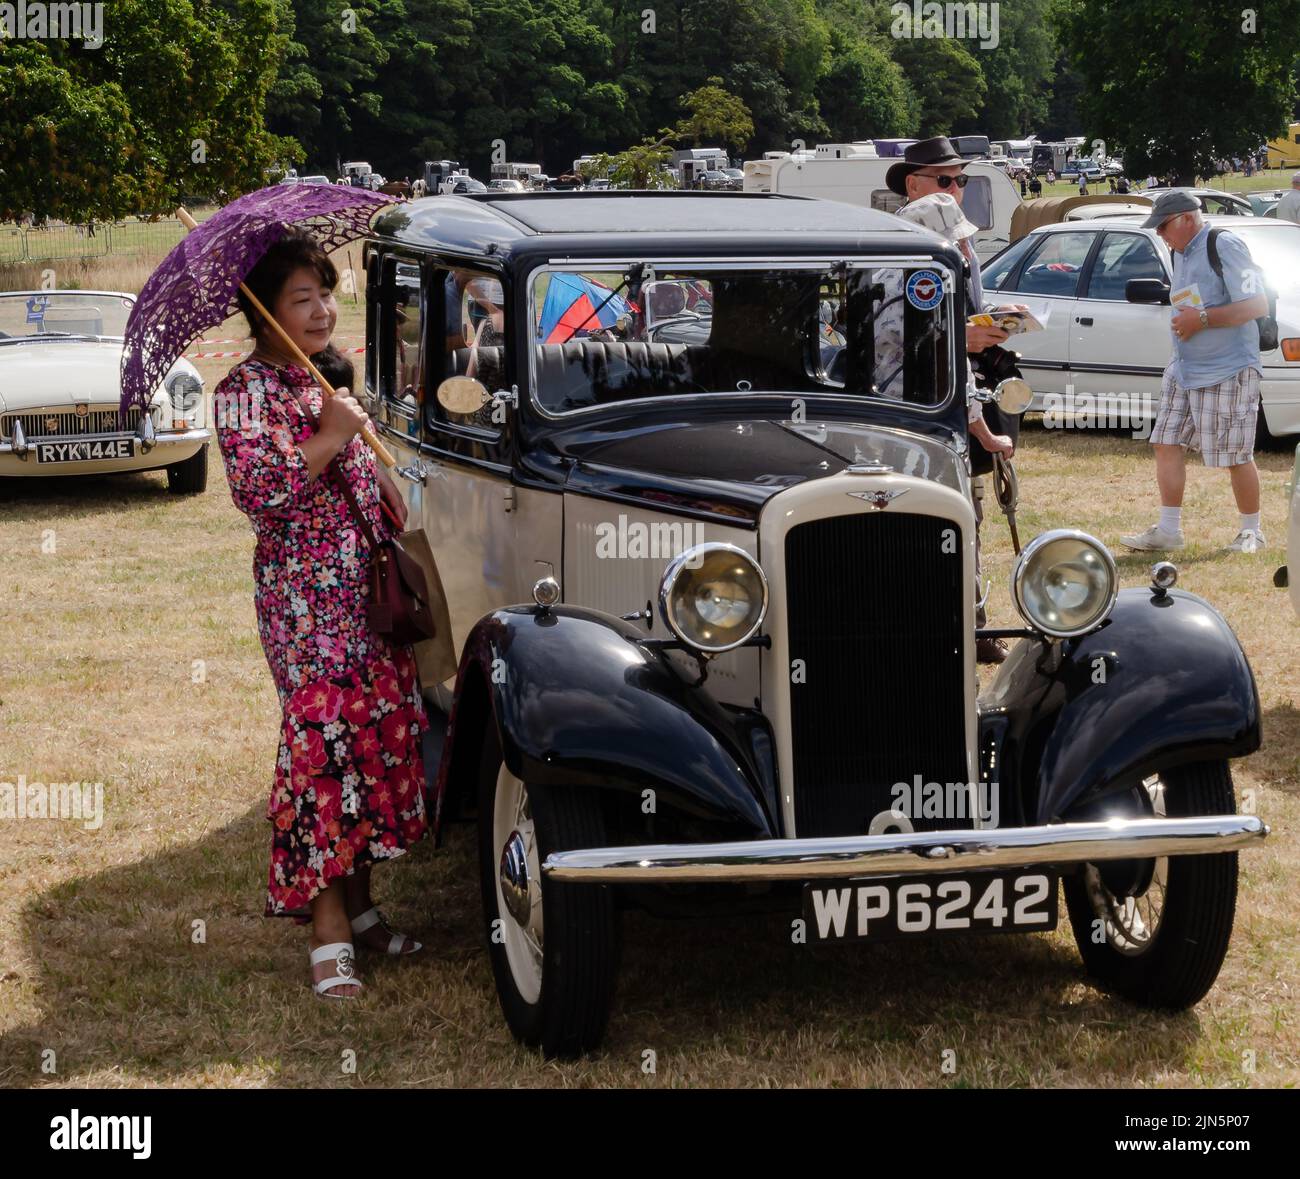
(505, 223)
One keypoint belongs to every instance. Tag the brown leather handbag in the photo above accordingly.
(399, 608)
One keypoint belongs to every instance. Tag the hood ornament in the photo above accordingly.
(877, 499)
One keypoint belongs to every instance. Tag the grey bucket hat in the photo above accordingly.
(1170, 204)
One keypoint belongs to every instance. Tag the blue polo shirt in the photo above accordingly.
(1214, 354)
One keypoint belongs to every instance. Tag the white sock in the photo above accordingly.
(1171, 519)
(1250, 523)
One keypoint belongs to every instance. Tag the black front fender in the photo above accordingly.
(577, 698)
(1165, 682)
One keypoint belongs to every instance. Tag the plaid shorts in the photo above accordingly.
(1218, 420)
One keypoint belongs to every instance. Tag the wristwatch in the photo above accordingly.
(1204, 315)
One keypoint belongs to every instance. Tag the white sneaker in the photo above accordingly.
(1249, 540)
(1154, 540)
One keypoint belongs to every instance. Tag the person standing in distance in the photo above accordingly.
(1288, 208)
(1209, 399)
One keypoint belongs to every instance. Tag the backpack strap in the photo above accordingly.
(1212, 249)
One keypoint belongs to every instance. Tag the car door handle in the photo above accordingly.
(1086, 320)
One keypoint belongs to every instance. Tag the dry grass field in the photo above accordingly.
(130, 657)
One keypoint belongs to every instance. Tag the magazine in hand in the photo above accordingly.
(1011, 322)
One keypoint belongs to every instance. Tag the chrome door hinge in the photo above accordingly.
(511, 498)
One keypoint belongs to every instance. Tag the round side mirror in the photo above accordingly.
(462, 395)
(1013, 395)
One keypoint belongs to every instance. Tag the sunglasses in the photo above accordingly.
(947, 181)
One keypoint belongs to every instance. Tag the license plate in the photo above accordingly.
(85, 452)
(901, 907)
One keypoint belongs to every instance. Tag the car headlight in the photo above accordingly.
(713, 597)
(185, 392)
(1065, 583)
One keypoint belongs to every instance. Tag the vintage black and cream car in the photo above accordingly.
(60, 385)
(694, 467)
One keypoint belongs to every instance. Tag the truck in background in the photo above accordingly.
(970, 147)
(990, 198)
(691, 163)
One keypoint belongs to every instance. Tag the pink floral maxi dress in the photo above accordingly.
(349, 779)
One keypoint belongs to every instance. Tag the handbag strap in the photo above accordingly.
(334, 472)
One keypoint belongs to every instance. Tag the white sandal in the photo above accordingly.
(345, 973)
(372, 917)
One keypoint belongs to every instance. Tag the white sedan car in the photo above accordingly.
(60, 366)
(1100, 353)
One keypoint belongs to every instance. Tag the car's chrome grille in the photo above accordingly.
(63, 422)
(875, 607)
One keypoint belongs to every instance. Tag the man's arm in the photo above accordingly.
(1235, 314)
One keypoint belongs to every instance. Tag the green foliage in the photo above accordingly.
(641, 166)
(1015, 73)
(170, 106)
(947, 80)
(1174, 86)
(714, 116)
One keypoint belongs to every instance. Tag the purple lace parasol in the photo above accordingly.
(195, 286)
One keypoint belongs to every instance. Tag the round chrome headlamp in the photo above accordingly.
(713, 597)
(185, 391)
(1065, 583)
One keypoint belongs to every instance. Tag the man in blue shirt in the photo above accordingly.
(1210, 396)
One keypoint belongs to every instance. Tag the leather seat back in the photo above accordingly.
(590, 372)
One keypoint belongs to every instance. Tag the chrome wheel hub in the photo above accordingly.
(1132, 922)
(514, 877)
(518, 885)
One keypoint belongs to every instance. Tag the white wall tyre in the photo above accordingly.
(1162, 946)
(553, 947)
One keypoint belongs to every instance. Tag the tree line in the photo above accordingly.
(201, 98)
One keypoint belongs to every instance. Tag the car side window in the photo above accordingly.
(1122, 256)
(468, 339)
(995, 275)
(1056, 264)
(400, 344)
(408, 334)
(373, 288)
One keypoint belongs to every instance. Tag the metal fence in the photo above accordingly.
(97, 239)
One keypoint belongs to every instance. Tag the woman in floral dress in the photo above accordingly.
(349, 779)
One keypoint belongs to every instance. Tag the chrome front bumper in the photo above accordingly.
(915, 853)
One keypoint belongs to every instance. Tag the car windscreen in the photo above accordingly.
(865, 329)
(56, 313)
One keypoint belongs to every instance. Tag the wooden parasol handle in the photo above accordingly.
(381, 451)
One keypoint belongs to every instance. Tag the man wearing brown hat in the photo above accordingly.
(932, 166)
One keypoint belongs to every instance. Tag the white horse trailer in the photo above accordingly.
(989, 201)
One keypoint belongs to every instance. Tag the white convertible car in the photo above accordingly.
(60, 363)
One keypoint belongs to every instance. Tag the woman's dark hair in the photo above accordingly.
(266, 280)
(334, 367)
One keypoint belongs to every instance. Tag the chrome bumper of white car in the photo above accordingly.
(915, 853)
(166, 438)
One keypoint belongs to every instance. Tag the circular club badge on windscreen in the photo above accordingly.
(925, 290)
